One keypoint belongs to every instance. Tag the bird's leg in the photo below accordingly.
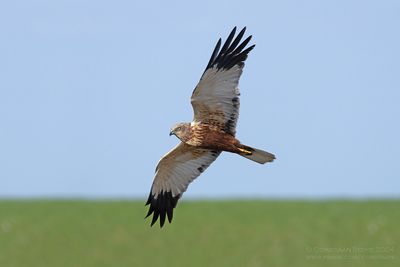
(245, 151)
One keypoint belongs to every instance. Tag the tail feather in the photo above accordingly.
(257, 155)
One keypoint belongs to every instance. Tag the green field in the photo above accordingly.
(203, 233)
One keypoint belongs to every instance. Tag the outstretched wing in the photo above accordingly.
(215, 99)
(174, 172)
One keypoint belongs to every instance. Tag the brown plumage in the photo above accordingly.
(208, 136)
(215, 102)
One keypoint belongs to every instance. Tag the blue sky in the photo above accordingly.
(90, 89)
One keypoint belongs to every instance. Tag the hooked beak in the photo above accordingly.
(171, 133)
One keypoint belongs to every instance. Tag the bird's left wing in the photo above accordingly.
(215, 99)
(174, 172)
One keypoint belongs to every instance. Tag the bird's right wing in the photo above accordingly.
(174, 172)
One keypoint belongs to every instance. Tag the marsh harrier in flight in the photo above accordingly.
(215, 102)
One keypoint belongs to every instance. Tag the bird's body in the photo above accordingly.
(208, 136)
(215, 102)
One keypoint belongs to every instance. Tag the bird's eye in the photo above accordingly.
(178, 129)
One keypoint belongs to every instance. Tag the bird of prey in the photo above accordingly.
(215, 102)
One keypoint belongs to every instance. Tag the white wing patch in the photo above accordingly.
(174, 172)
(216, 98)
(179, 167)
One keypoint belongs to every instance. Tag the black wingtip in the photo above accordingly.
(214, 53)
(231, 53)
(161, 206)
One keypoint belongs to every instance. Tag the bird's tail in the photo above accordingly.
(257, 155)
